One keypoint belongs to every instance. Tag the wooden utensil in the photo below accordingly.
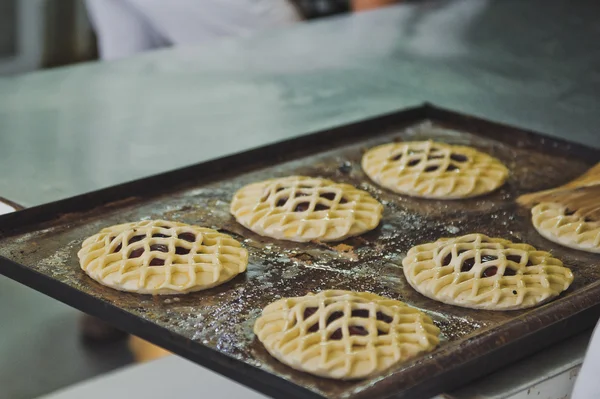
(583, 191)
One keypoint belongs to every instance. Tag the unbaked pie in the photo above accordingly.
(577, 228)
(344, 334)
(161, 257)
(433, 170)
(476, 271)
(299, 208)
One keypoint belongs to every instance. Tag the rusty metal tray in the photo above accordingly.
(38, 247)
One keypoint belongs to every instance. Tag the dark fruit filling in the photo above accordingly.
(302, 207)
(490, 271)
(136, 253)
(353, 330)
(514, 258)
(509, 272)
(181, 251)
(321, 207)
(329, 196)
(159, 248)
(458, 157)
(281, 202)
(157, 262)
(467, 265)
(189, 237)
(135, 239)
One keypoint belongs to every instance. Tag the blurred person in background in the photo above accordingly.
(127, 27)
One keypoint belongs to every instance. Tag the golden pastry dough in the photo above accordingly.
(344, 334)
(299, 208)
(161, 257)
(476, 271)
(433, 170)
(577, 228)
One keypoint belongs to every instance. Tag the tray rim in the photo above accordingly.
(253, 377)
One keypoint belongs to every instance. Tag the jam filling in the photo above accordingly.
(396, 157)
(448, 258)
(159, 248)
(302, 207)
(431, 168)
(189, 237)
(458, 157)
(135, 239)
(157, 262)
(450, 168)
(136, 253)
(413, 162)
(281, 202)
(353, 330)
(181, 251)
(469, 263)
(329, 196)
(509, 272)
(490, 271)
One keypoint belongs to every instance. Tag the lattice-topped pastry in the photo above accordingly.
(161, 257)
(576, 225)
(433, 170)
(344, 334)
(299, 208)
(476, 271)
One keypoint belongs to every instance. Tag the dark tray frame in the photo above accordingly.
(523, 337)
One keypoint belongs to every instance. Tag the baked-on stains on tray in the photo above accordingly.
(214, 327)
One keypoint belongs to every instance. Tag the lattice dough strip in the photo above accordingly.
(161, 257)
(482, 272)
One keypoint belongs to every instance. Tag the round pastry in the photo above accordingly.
(476, 271)
(161, 257)
(299, 208)
(433, 170)
(575, 228)
(344, 334)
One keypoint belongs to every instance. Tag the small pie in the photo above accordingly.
(476, 271)
(299, 208)
(161, 257)
(433, 170)
(575, 228)
(344, 334)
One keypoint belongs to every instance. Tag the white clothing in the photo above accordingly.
(126, 27)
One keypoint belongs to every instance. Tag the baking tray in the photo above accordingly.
(213, 328)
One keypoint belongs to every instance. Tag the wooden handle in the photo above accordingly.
(563, 193)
